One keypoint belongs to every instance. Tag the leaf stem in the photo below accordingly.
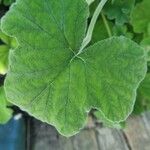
(88, 37)
(106, 25)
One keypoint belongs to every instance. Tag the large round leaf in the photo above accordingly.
(48, 80)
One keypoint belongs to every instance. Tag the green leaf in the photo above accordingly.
(142, 24)
(146, 44)
(91, 26)
(8, 43)
(100, 32)
(122, 30)
(143, 99)
(5, 113)
(145, 87)
(138, 1)
(119, 10)
(8, 2)
(111, 71)
(4, 50)
(139, 106)
(48, 80)
(140, 17)
(7, 40)
(108, 123)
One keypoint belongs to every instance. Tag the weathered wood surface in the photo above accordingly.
(138, 132)
(111, 139)
(136, 136)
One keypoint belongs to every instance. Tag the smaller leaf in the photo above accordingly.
(140, 17)
(100, 32)
(8, 43)
(146, 44)
(8, 2)
(5, 113)
(143, 98)
(3, 58)
(121, 30)
(11, 42)
(139, 106)
(145, 87)
(119, 10)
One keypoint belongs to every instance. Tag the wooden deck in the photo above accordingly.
(136, 136)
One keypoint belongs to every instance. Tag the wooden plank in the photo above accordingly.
(45, 137)
(111, 139)
(65, 143)
(146, 119)
(137, 134)
(85, 140)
